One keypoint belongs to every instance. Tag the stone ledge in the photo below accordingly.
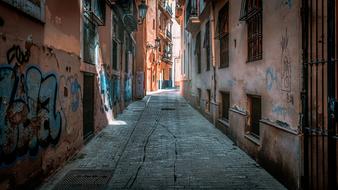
(253, 139)
(238, 111)
(273, 124)
(224, 122)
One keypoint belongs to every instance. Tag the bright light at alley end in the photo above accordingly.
(142, 10)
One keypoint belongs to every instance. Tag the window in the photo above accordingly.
(89, 41)
(207, 107)
(34, 8)
(199, 94)
(198, 52)
(252, 13)
(154, 24)
(95, 10)
(225, 105)
(114, 60)
(206, 44)
(254, 114)
(223, 29)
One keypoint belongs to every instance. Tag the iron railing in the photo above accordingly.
(192, 10)
(319, 109)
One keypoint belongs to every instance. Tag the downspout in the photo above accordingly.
(213, 59)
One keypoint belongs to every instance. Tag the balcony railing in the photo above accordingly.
(166, 6)
(95, 10)
(192, 9)
(167, 55)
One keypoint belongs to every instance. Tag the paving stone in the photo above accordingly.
(168, 149)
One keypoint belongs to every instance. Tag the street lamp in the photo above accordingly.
(142, 10)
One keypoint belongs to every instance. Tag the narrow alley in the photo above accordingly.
(168, 94)
(161, 142)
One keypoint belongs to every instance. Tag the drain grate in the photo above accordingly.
(168, 109)
(84, 180)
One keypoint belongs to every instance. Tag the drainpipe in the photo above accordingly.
(213, 59)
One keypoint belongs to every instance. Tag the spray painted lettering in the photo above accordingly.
(28, 115)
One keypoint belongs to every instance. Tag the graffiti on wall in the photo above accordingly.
(286, 63)
(139, 84)
(271, 78)
(127, 89)
(28, 113)
(106, 90)
(70, 96)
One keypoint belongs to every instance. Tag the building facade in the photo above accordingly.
(67, 68)
(159, 44)
(257, 70)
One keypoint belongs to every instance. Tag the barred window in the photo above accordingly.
(223, 29)
(90, 41)
(252, 13)
(206, 44)
(198, 52)
(114, 60)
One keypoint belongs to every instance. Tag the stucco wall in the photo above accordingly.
(276, 78)
(41, 90)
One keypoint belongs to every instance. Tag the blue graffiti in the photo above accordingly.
(231, 83)
(127, 90)
(290, 3)
(75, 92)
(280, 110)
(106, 90)
(271, 78)
(28, 115)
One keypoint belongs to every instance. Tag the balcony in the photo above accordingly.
(192, 16)
(94, 10)
(165, 34)
(166, 8)
(167, 54)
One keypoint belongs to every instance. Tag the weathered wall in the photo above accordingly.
(276, 78)
(41, 90)
(40, 94)
(152, 27)
(140, 60)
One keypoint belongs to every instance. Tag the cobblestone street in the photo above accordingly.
(161, 142)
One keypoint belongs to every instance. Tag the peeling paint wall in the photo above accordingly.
(41, 89)
(276, 78)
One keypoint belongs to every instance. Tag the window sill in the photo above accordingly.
(254, 60)
(224, 122)
(253, 139)
(88, 62)
(243, 113)
(274, 124)
(223, 67)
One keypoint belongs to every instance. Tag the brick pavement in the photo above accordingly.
(161, 142)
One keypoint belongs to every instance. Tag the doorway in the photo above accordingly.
(88, 105)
